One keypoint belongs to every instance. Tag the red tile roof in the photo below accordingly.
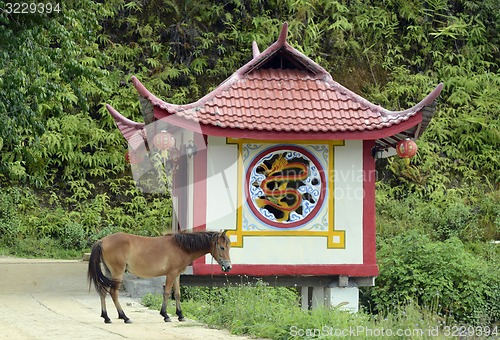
(284, 92)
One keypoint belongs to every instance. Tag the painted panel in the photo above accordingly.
(285, 187)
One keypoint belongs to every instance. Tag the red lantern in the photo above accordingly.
(132, 157)
(406, 148)
(164, 140)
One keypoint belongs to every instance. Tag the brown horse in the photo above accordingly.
(150, 257)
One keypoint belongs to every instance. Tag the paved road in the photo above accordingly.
(45, 299)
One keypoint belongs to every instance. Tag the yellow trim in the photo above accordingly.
(239, 213)
(332, 242)
(335, 238)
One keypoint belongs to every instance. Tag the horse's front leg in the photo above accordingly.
(166, 293)
(177, 295)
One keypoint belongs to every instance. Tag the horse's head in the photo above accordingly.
(220, 251)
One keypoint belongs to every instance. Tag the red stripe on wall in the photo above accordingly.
(200, 188)
(200, 183)
(369, 221)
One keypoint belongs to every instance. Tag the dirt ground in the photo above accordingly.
(46, 299)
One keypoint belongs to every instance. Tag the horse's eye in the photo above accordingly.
(222, 248)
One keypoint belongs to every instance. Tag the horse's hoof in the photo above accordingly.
(107, 321)
(182, 319)
(167, 320)
(127, 321)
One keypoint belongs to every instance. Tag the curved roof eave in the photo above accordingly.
(132, 131)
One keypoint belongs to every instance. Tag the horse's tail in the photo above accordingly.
(101, 282)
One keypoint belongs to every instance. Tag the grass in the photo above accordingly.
(274, 313)
(40, 248)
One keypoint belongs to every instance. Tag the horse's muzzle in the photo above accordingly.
(226, 266)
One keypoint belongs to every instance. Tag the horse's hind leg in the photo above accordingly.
(114, 295)
(121, 314)
(104, 313)
(177, 295)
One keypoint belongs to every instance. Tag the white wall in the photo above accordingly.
(348, 198)
(222, 185)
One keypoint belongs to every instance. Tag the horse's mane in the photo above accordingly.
(191, 242)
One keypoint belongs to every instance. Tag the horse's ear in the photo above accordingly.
(223, 233)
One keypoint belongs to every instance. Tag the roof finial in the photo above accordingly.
(255, 49)
(283, 34)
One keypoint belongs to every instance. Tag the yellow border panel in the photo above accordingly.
(335, 238)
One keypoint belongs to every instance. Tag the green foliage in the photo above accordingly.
(452, 215)
(441, 276)
(45, 72)
(56, 74)
(459, 150)
(74, 147)
(10, 223)
(28, 217)
(73, 236)
(264, 313)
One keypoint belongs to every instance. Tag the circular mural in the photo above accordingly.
(285, 186)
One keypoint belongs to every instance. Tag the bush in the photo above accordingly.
(10, 223)
(73, 236)
(441, 276)
(454, 215)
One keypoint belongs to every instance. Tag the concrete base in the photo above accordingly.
(138, 287)
(344, 298)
